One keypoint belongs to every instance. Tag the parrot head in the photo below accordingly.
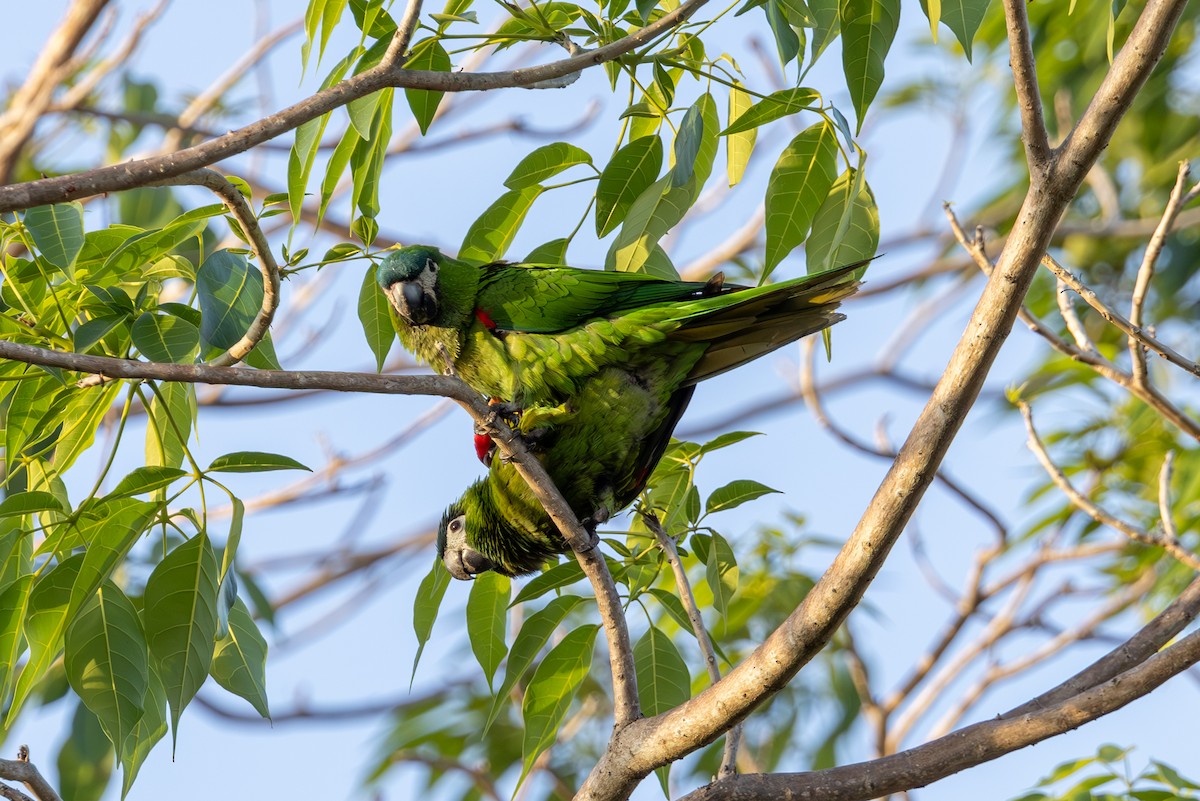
(409, 277)
(463, 561)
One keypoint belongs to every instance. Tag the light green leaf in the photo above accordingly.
(239, 664)
(15, 601)
(148, 731)
(662, 675)
(145, 479)
(170, 424)
(234, 538)
(846, 227)
(335, 167)
(735, 493)
(57, 233)
(165, 338)
(868, 28)
(425, 606)
(487, 620)
(721, 572)
(81, 420)
(308, 138)
(106, 660)
(796, 189)
(376, 319)
(727, 439)
(367, 160)
(552, 689)
(22, 503)
(552, 252)
(557, 577)
(427, 54)
(738, 146)
(774, 106)
(45, 622)
(828, 25)
(253, 462)
(534, 634)
(489, 237)
(31, 402)
(108, 532)
(545, 162)
(181, 621)
(88, 334)
(627, 176)
(963, 17)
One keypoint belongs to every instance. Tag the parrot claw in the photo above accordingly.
(510, 413)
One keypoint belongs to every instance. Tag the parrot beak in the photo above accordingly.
(466, 563)
(412, 302)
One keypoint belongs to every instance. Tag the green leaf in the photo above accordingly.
(686, 147)
(31, 402)
(170, 424)
(239, 664)
(148, 731)
(552, 252)
(630, 172)
(181, 621)
(85, 761)
(109, 535)
(787, 43)
(827, 25)
(727, 439)
(145, 479)
(14, 599)
(557, 577)
(230, 295)
(427, 54)
(308, 139)
(846, 227)
(661, 206)
(45, 622)
(489, 237)
(322, 16)
(253, 462)
(376, 319)
(735, 493)
(81, 420)
(963, 17)
(487, 620)
(87, 335)
(721, 572)
(552, 689)
(774, 106)
(147, 248)
(738, 146)
(796, 189)
(367, 160)
(868, 28)
(165, 338)
(534, 634)
(425, 606)
(57, 233)
(23, 503)
(106, 660)
(662, 675)
(362, 113)
(545, 162)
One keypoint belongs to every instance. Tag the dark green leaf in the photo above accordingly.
(230, 294)
(662, 675)
(687, 147)
(239, 664)
(57, 233)
(181, 620)
(735, 493)
(85, 761)
(376, 319)
(253, 462)
(721, 571)
(489, 237)
(846, 227)
(145, 479)
(94, 330)
(148, 731)
(868, 28)
(557, 577)
(630, 172)
(165, 338)
(964, 17)
(552, 689)
(773, 107)
(427, 54)
(426, 604)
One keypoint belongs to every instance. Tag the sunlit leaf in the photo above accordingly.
(490, 235)
(630, 172)
(546, 162)
(427, 54)
(375, 317)
(239, 664)
(552, 689)
(426, 604)
(57, 233)
(846, 227)
(662, 675)
(487, 620)
(772, 107)
(796, 189)
(165, 338)
(253, 462)
(738, 146)
(868, 28)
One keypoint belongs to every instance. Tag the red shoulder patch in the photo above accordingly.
(484, 318)
(483, 448)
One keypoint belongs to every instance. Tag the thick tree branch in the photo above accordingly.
(963, 749)
(511, 448)
(388, 73)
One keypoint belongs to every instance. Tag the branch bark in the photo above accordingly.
(24, 771)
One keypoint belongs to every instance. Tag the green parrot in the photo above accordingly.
(531, 336)
(599, 457)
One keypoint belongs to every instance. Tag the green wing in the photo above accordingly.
(549, 300)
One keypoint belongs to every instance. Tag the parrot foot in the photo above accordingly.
(597, 518)
(510, 413)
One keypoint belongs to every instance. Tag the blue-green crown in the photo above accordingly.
(405, 264)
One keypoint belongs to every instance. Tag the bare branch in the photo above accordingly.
(1085, 505)
(86, 85)
(24, 771)
(1029, 96)
(964, 748)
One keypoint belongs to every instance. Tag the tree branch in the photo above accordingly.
(388, 73)
(24, 771)
(1029, 96)
(965, 748)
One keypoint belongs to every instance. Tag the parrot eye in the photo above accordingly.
(431, 265)
(456, 525)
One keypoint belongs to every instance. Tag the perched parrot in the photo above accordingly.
(599, 456)
(532, 335)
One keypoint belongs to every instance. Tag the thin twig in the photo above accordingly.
(1085, 505)
(1029, 96)
(667, 545)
